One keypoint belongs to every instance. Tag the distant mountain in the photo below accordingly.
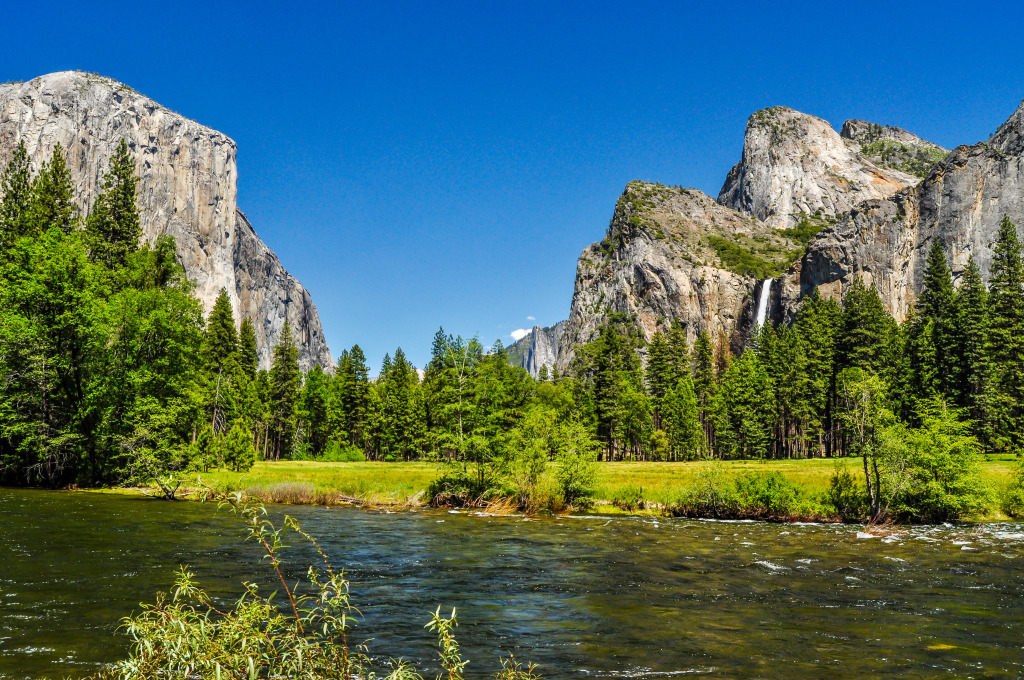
(187, 189)
(536, 349)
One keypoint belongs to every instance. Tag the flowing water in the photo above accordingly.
(583, 597)
(763, 302)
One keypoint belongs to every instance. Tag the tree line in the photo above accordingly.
(112, 374)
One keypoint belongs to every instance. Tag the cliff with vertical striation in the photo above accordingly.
(187, 189)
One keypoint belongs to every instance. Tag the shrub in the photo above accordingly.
(342, 453)
(577, 464)
(766, 494)
(459, 488)
(845, 496)
(1012, 501)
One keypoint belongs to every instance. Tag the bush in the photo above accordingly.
(845, 496)
(1012, 501)
(577, 464)
(459, 488)
(342, 453)
(765, 494)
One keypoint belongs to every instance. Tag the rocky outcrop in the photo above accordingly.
(960, 203)
(794, 164)
(674, 254)
(893, 147)
(187, 189)
(539, 348)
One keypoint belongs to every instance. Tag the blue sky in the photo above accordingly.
(423, 164)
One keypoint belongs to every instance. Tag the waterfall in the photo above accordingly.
(762, 303)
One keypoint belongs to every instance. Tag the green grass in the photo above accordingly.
(397, 483)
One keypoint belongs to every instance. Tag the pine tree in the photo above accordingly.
(745, 412)
(15, 198)
(220, 346)
(53, 196)
(112, 228)
(1006, 334)
(865, 329)
(970, 346)
(932, 356)
(705, 384)
(284, 391)
(542, 373)
(237, 448)
(682, 421)
(818, 324)
(315, 411)
(248, 352)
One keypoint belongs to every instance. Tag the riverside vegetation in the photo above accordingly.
(113, 377)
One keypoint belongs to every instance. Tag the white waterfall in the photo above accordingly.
(762, 303)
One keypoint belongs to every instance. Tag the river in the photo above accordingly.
(586, 597)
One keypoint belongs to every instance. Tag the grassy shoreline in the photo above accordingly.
(621, 488)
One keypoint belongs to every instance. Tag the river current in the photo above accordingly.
(583, 597)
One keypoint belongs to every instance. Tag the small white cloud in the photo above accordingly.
(519, 333)
(530, 318)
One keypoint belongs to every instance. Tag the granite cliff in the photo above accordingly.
(538, 348)
(795, 165)
(674, 254)
(187, 189)
(886, 242)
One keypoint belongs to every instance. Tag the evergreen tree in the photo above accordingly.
(1006, 334)
(53, 196)
(15, 198)
(971, 335)
(705, 385)
(113, 225)
(315, 411)
(682, 421)
(248, 352)
(220, 347)
(237, 449)
(745, 410)
(284, 391)
(931, 343)
(865, 329)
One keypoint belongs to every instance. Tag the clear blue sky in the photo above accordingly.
(423, 164)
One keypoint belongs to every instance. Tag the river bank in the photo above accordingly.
(640, 488)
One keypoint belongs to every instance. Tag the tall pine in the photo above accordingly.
(1006, 334)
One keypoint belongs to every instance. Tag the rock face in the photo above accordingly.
(676, 255)
(797, 164)
(669, 255)
(539, 348)
(960, 203)
(187, 189)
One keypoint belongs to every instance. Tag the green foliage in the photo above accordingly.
(237, 450)
(112, 228)
(577, 471)
(845, 496)
(930, 473)
(743, 260)
(766, 494)
(1012, 498)
(917, 161)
